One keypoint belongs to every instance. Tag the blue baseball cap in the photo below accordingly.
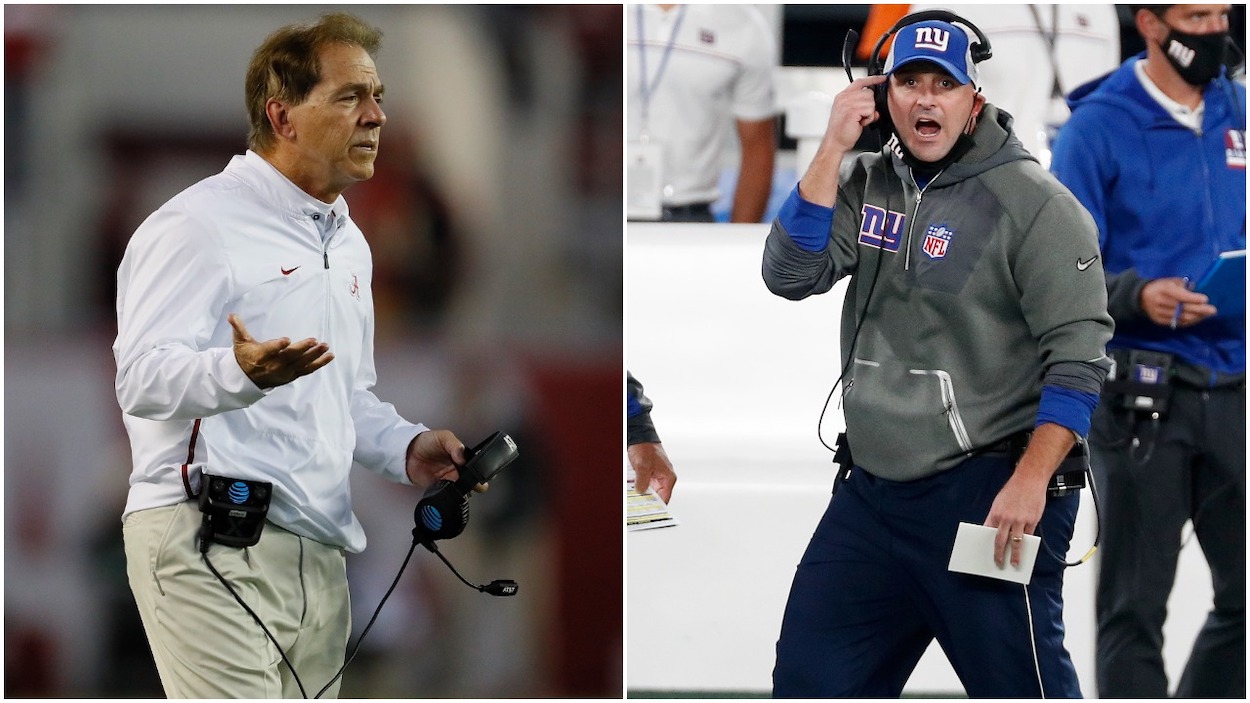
(935, 41)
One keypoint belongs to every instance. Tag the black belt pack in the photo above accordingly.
(1141, 380)
(1068, 478)
(234, 510)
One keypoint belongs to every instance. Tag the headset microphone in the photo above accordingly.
(234, 511)
(848, 52)
(443, 511)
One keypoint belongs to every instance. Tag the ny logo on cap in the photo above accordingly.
(932, 38)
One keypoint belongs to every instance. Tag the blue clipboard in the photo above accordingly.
(1224, 284)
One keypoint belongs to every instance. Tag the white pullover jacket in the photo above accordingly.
(248, 241)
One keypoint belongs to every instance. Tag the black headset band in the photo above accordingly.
(980, 51)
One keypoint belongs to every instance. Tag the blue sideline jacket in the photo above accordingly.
(1167, 202)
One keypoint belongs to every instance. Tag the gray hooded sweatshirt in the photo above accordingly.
(984, 286)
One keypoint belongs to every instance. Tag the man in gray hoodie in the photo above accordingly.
(973, 352)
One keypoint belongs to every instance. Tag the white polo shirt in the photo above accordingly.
(706, 66)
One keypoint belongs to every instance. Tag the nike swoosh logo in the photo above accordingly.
(288, 272)
(1082, 265)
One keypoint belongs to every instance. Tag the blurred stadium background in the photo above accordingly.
(495, 223)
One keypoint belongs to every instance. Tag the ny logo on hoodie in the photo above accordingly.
(880, 228)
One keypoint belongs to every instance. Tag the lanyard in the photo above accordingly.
(1050, 38)
(648, 89)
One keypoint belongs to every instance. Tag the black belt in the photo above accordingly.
(1068, 477)
(1064, 480)
(690, 211)
(1180, 372)
(1016, 444)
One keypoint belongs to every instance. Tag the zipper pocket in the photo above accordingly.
(951, 407)
(846, 387)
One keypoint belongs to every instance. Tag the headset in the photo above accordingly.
(235, 509)
(980, 50)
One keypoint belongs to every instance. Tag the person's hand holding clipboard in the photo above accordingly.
(1219, 292)
(1224, 284)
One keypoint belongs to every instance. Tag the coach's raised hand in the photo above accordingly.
(277, 361)
(853, 109)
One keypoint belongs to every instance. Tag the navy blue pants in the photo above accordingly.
(873, 590)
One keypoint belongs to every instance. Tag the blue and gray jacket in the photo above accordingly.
(970, 294)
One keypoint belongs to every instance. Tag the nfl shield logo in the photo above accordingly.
(936, 239)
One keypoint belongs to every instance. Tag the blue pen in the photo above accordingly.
(1176, 316)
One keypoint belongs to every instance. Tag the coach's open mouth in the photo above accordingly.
(927, 128)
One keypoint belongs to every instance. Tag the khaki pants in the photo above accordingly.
(204, 643)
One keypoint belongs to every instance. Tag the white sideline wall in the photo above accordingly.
(738, 377)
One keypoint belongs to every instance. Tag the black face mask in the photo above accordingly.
(963, 145)
(1196, 57)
